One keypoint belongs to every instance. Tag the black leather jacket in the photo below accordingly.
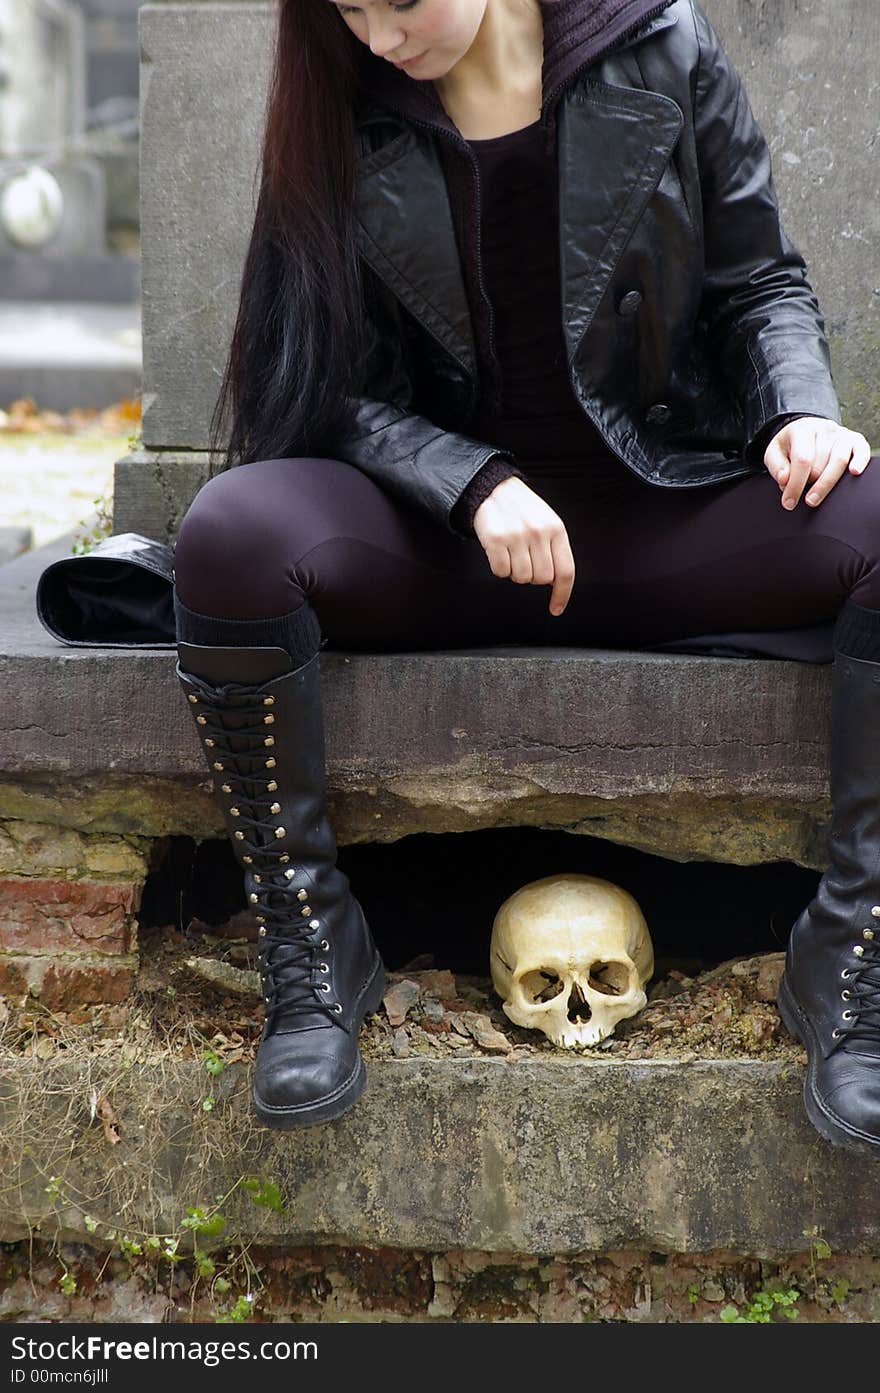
(688, 318)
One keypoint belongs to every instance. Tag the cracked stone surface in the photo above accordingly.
(656, 751)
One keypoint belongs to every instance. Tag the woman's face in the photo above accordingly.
(424, 37)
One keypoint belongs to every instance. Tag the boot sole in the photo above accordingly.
(832, 1129)
(334, 1105)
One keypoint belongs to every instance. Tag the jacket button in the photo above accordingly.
(630, 302)
(657, 415)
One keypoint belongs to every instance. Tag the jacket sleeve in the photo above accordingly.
(762, 317)
(404, 452)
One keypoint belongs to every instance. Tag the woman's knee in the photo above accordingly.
(251, 509)
(255, 520)
(851, 514)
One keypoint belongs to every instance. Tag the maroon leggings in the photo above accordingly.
(652, 564)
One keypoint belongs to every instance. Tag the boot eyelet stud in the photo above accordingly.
(261, 933)
(859, 951)
(280, 832)
(209, 743)
(268, 701)
(324, 944)
(192, 698)
(269, 720)
(325, 986)
(248, 860)
(265, 998)
(289, 874)
(337, 1008)
(867, 933)
(275, 808)
(233, 812)
(269, 740)
(846, 996)
(306, 911)
(314, 924)
(201, 720)
(323, 967)
(261, 918)
(875, 910)
(272, 785)
(836, 1034)
(254, 899)
(847, 1015)
(846, 974)
(227, 788)
(284, 858)
(239, 836)
(302, 895)
(270, 762)
(258, 879)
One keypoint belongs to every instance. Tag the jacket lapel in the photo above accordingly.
(405, 225)
(407, 235)
(602, 196)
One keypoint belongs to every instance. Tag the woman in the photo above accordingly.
(517, 307)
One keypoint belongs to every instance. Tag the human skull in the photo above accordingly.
(570, 955)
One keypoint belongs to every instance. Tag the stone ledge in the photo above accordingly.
(548, 1156)
(679, 755)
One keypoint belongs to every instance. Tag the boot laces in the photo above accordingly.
(861, 1016)
(290, 952)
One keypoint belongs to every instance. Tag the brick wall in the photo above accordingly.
(68, 900)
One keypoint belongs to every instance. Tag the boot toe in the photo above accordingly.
(298, 1077)
(855, 1105)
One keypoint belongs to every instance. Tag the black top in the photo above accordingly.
(539, 419)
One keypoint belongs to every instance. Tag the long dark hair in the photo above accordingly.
(297, 339)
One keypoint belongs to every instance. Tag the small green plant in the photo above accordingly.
(694, 1293)
(101, 528)
(264, 1193)
(763, 1305)
(215, 1066)
(213, 1063)
(147, 1252)
(242, 1309)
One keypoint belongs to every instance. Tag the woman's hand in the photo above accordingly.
(525, 540)
(814, 450)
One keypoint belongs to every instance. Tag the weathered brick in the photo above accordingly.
(37, 848)
(55, 916)
(64, 984)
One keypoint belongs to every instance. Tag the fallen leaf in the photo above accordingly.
(109, 1121)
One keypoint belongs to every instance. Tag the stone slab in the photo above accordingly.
(96, 278)
(152, 490)
(69, 354)
(811, 73)
(676, 754)
(547, 1156)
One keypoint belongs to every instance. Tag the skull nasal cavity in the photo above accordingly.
(578, 1010)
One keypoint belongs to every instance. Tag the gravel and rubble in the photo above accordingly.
(199, 990)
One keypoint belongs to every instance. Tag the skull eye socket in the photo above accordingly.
(540, 987)
(612, 979)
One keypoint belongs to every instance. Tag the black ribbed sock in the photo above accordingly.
(857, 632)
(299, 632)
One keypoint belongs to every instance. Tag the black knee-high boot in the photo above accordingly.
(830, 992)
(257, 708)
